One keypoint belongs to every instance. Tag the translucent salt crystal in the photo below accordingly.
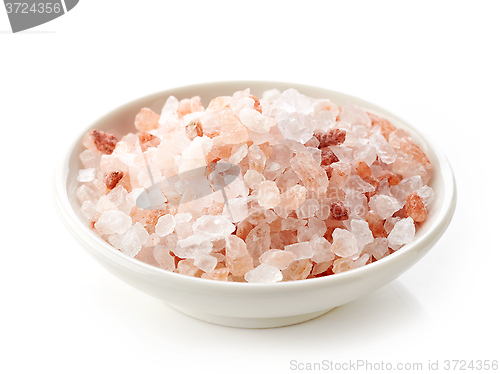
(186, 267)
(269, 194)
(304, 234)
(238, 153)
(340, 172)
(415, 207)
(258, 241)
(297, 270)
(163, 257)
(426, 193)
(362, 232)
(169, 109)
(321, 267)
(113, 222)
(403, 232)
(89, 210)
(291, 199)
(406, 186)
(213, 227)
(131, 242)
(254, 121)
(165, 225)
(292, 224)
(264, 273)
(301, 250)
(271, 95)
(383, 148)
(316, 226)
(205, 262)
(194, 156)
(307, 209)
(192, 247)
(238, 260)
(259, 216)
(341, 265)
(256, 158)
(253, 179)
(277, 258)
(322, 250)
(183, 217)
(355, 183)
(366, 153)
(310, 172)
(384, 206)
(315, 153)
(86, 175)
(89, 159)
(354, 115)
(356, 203)
(296, 126)
(184, 229)
(287, 180)
(378, 248)
(85, 193)
(217, 274)
(344, 243)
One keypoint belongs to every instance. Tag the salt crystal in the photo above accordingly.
(278, 258)
(403, 232)
(378, 248)
(301, 250)
(383, 148)
(258, 241)
(113, 222)
(354, 115)
(253, 179)
(254, 121)
(165, 225)
(86, 175)
(163, 257)
(322, 250)
(238, 260)
(291, 199)
(269, 194)
(205, 262)
(238, 153)
(130, 242)
(264, 273)
(310, 172)
(89, 159)
(213, 227)
(384, 206)
(308, 208)
(344, 243)
(89, 211)
(186, 267)
(362, 232)
(426, 193)
(297, 270)
(256, 158)
(183, 217)
(291, 223)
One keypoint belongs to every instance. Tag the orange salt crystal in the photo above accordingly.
(104, 142)
(187, 267)
(415, 208)
(112, 179)
(386, 128)
(148, 218)
(297, 270)
(147, 140)
(366, 173)
(146, 120)
(187, 106)
(392, 178)
(410, 148)
(327, 158)
(256, 105)
(194, 129)
(217, 274)
(376, 225)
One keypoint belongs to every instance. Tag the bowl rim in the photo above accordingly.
(78, 228)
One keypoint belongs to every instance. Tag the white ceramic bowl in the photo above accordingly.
(244, 304)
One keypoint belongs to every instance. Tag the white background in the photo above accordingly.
(433, 63)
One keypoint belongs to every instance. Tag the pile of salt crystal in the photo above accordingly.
(319, 189)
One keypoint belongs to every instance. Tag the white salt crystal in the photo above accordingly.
(192, 248)
(384, 149)
(113, 222)
(183, 217)
(165, 225)
(361, 230)
(384, 206)
(85, 193)
(194, 156)
(89, 159)
(264, 273)
(271, 95)
(322, 250)
(213, 227)
(378, 248)
(296, 126)
(354, 115)
(403, 232)
(89, 210)
(344, 243)
(169, 109)
(238, 153)
(426, 193)
(162, 255)
(205, 262)
(141, 232)
(301, 250)
(86, 175)
(254, 120)
(130, 243)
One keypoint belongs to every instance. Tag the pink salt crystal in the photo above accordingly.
(254, 120)
(383, 148)
(291, 199)
(339, 172)
(300, 250)
(205, 262)
(386, 128)
(89, 159)
(361, 230)
(403, 232)
(89, 211)
(307, 209)
(297, 270)
(264, 273)
(410, 148)
(426, 193)
(187, 106)
(269, 194)
(213, 227)
(85, 193)
(354, 115)
(321, 267)
(163, 257)
(344, 243)
(103, 142)
(187, 267)
(338, 211)
(256, 158)
(113, 222)
(376, 225)
(238, 153)
(194, 129)
(165, 225)
(330, 137)
(112, 179)
(277, 258)
(291, 223)
(378, 248)
(217, 274)
(287, 180)
(328, 157)
(258, 241)
(146, 120)
(253, 179)
(322, 250)
(384, 206)
(341, 265)
(415, 207)
(310, 172)
(259, 216)
(146, 255)
(238, 260)
(316, 227)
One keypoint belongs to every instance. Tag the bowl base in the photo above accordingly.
(250, 323)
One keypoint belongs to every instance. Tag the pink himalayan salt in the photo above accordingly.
(277, 258)
(242, 130)
(269, 194)
(264, 273)
(310, 172)
(238, 260)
